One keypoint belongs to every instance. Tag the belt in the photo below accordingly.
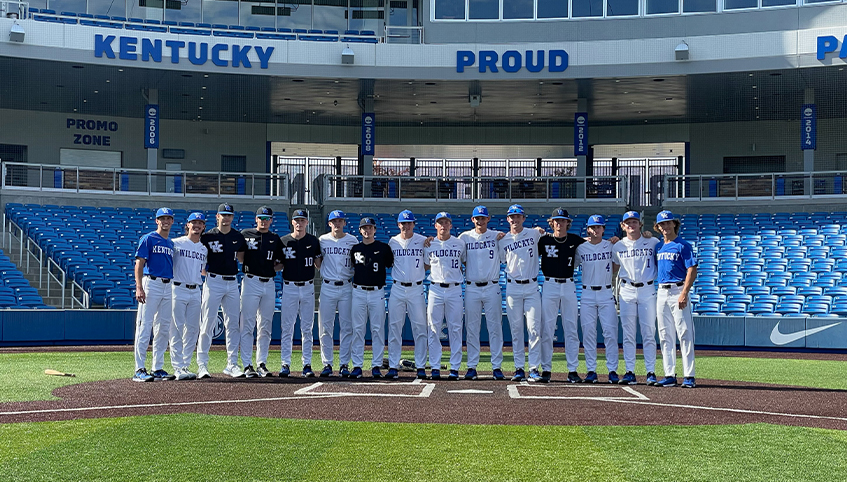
(263, 280)
(485, 283)
(408, 285)
(335, 283)
(635, 285)
(191, 287)
(668, 286)
(163, 280)
(225, 278)
(299, 283)
(560, 280)
(522, 281)
(368, 288)
(596, 288)
(447, 285)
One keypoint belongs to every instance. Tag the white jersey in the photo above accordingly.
(445, 259)
(520, 254)
(189, 260)
(637, 259)
(408, 258)
(482, 261)
(596, 261)
(336, 264)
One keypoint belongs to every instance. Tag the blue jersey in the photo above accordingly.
(158, 254)
(673, 260)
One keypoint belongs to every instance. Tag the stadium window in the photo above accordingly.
(587, 8)
(553, 9)
(736, 4)
(233, 163)
(698, 6)
(658, 7)
(621, 8)
(449, 9)
(483, 9)
(778, 3)
(753, 164)
(513, 9)
(221, 12)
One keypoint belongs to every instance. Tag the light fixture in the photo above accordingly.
(681, 51)
(475, 100)
(348, 56)
(16, 33)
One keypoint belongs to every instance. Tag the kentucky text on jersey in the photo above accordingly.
(636, 253)
(163, 250)
(519, 244)
(667, 256)
(596, 256)
(414, 253)
(189, 254)
(481, 245)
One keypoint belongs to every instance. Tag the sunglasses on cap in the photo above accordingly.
(263, 218)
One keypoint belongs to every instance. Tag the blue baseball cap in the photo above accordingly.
(480, 211)
(515, 209)
(300, 213)
(226, 208)
(631, 215)
(405, 217)
(560, 213)
(164, 212)
(596, 220)
(665, 216)
(367, 222)
(336, 215)
(443, 215)
(264, 211)
(196, 217)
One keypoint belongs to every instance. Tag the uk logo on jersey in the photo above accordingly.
(252, 244)
(216, 247)
(359, 257)
(552, 251)
(289, 253)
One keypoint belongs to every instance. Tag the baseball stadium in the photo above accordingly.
(138, 137)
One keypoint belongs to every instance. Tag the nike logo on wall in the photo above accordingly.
(779, 338)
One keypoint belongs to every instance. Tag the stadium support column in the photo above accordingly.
(152, 153)
(581, 161)
(366, 151)
(808, 154)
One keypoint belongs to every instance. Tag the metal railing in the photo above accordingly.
(117, 181)
(765, 186)
(13, 9)
(58, 277)
(403, 35)
(593, 189)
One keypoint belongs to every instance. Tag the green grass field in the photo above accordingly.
(203, 447)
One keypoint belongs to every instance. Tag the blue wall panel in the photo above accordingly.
(719, 330)
(33, 326)
(833, 336)
(762, 332)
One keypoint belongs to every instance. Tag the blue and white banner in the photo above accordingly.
(580, 134)
(368, 121)
(151, 127)
(808, 127)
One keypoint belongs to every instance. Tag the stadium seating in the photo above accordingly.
(15, 290)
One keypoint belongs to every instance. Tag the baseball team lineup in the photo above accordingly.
(182, 284)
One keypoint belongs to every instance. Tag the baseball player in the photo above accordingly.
(677, 269)
(598, 299)
(262, 260)
(336, 293)
(558, 259)
(226, 248)
(301, 255)
(407, 295)
(370, 259)
(636, 257)
(189, 266)
(482, 272)
(519, 251)
(445, 255)
(154, 262)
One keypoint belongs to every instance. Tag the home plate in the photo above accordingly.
(471, 391)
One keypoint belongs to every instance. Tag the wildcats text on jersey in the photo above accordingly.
(523, 243)
(445, 253)
(185, 253)
(636, 253)
(481, 245)
(330, 250)
(414, 253)
(596, 256)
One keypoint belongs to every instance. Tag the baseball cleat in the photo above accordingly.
(407, 365)
(453, 376)
(184, 374)
(590, 377)
(545, 377)
(376, 372)
(284, 371)
(263, 371)
(628, 379)
(421, 375)
(249, 372)
(307, 371)
(233, 371)
(573, 377)
(344, 372)
(688, 382)
(534, 376)
(519, 375)
(436, 374)
(141, 375)
(498, 374)
(471, 374)
(651, 379)
(327, 371)
(613, 377)
(667, 382)
(161, 376)
(393, 374)
(356, 373)
(203, 372)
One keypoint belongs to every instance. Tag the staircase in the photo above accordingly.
(37, 275)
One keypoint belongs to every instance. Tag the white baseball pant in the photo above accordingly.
(153, 315)
(445, 304)
(368, 305)
(675, 322)
(257, 308)
(219, 293)
(599, 304)
(555, 297)
(411, 300)
(477, 299)
(335, 298)
(638, 307)
(185, 325)
(297, 300)
(523, 300)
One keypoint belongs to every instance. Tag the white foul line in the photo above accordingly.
(425, 392)
(515, 393)
(722, 409)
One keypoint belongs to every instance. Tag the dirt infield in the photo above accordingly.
(483, 401)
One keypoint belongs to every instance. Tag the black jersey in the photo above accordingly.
(558, 254)
(222, 250)
(370, 262)
(298, 257)
(264, 250)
